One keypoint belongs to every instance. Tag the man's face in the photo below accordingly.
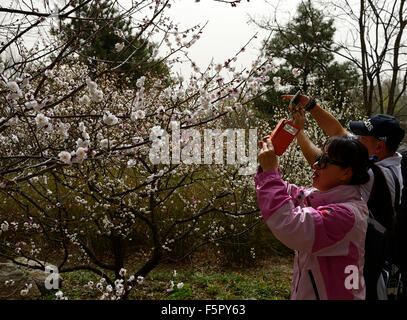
(373, 145)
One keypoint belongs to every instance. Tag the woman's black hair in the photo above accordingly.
(352, 153)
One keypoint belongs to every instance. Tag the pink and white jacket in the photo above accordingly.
(326, 229)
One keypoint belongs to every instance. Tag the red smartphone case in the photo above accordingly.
(282, 135)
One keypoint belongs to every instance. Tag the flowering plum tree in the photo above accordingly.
(98, 174)
(78, 183)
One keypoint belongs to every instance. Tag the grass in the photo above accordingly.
(267, 280)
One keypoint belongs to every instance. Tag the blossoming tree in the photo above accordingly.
(96, 172)
(76, 173)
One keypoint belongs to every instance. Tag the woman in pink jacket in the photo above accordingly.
(325, 225)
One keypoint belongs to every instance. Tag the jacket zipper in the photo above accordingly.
(314, 285)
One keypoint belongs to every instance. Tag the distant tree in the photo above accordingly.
(103, 35)
(307, 48)
(400, 109)
(374, 42)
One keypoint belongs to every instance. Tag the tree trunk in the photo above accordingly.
(118, 252)
(396, 68)
(368, 107)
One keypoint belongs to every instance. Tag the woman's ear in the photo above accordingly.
(347, 175)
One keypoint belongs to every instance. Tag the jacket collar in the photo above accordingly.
(339, 194)
(394, 160)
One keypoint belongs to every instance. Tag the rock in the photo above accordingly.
(40, 276)
(9, 271)
(28, 262)
(24, 274)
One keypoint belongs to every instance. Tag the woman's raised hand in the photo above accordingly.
(267, 157)
(299, 118)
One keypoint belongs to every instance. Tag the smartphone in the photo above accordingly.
(294, 101)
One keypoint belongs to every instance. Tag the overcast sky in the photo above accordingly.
(227, 29)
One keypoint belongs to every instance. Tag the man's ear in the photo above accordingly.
(380, 147)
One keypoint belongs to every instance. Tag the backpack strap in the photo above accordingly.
(397, 187)
(378, 226)
(372, 219)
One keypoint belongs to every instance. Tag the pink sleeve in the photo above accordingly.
(272, 191)
(299, 228)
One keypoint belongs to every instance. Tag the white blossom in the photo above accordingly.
(82, 127)
(171, 288)
(99, 286)
(60, 296)
(26, 289)
(137, 140)
(41, 120)
(139, 114)
(81, 153)
(13, 121)
(9, 283)
(296, 72)
(13, 86)
(119, 46)
(65, 157)
(91, 85)
(48, 73)
(110, 119)
(140, 82)
(90, 285)
(62, 129)
(24, 292)
(276, 81)
(160, 111)
(4, 226)
(86, 136)
(119, 33)
(156, 132)
(33, 104)
(274, 69)
(123, 272)
(131, 163)
(84, 99)
(104, 143)
(97, 96)
(82, 143)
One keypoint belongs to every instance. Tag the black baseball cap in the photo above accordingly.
(381, 126)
